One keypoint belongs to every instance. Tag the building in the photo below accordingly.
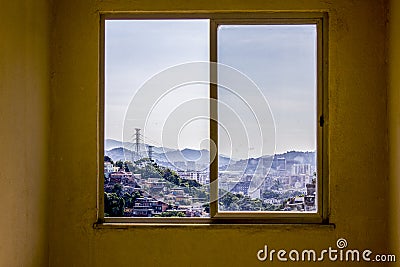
(202, 177)
(148, 207)
(108, 168)
(309, 198)
(155, 183)
(241, 187)
(295, 204)
(298, 169)
(121, 177)
(281, 164)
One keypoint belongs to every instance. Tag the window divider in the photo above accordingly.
(213, 172)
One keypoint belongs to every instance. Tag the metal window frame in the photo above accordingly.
(320, 19)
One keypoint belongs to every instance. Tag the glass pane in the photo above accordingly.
(156, 118)
(268, 131)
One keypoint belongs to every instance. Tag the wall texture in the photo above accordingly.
(361, 178)
(48, 103)
(394, 122)
(358, 146)
(24, 107)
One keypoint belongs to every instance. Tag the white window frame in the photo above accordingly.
(320, 19)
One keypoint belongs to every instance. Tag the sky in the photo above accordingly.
(277, 112)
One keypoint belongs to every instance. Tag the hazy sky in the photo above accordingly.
(279, 59)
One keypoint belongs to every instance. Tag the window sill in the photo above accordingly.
(213, 224)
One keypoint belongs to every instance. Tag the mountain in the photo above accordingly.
(297, 157)
(186, 157)
(116, 154)
(110, 144)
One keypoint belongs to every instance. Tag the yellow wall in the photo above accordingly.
(24, 106)
(49, 200)
(358, 146)
(394, 121)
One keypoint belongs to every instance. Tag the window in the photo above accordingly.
(213, 119)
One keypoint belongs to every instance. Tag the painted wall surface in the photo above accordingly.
(360, 174)
(358, 147)
(24, 90)
(394, 121)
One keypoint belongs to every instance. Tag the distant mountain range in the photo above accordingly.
(111, 144)
(167, 157)
(186, 158)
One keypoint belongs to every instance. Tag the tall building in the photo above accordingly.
(281, 164)
(298, 169)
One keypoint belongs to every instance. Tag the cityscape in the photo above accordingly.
(266, 102)
(141, 180)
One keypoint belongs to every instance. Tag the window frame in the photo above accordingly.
(320, 19)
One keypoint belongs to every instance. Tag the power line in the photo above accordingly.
(137, 140)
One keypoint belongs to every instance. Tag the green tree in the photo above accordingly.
(137, 194)
(108, 159)
(129, 201)
(206, 207)
(117, 189)
(113, 205)
(119, 164)
(172, 213)
(270, 194)
(230, 201)
(128, 166)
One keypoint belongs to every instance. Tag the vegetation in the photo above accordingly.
(131, 198)
(150, 169)
(114, 205)
(239, 202)
(172, 213)
(117, 200)
(119, 164)
(270, 194)
(108, 159)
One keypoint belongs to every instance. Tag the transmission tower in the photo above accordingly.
(150, 152)
(137, 142)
